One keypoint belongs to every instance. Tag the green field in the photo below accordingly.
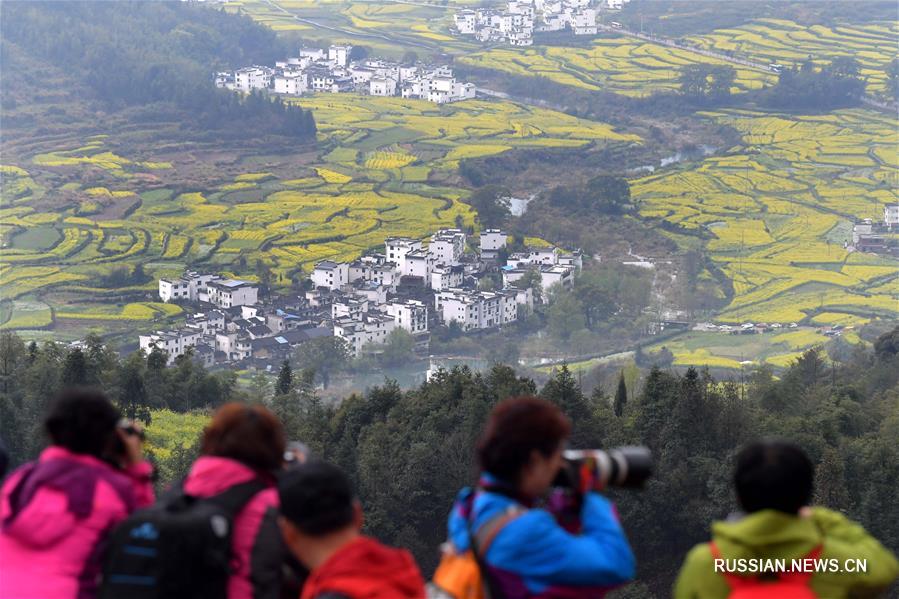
(379, 171)
(726, 351)
(387, 28)
(774, 213)
(785, 42)
(632, 67)
(622, 65)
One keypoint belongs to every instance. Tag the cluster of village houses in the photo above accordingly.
(876, 237)
(333, 71)
(412, 286)
(519, 20)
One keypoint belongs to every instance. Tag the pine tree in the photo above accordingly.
(285, 379)
(74, 370)
(132, 398)
(620, 396)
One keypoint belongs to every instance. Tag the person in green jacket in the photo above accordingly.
(774, 482)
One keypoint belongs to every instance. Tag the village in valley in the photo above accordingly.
(519, 21)
(334, 71)
(411, 286)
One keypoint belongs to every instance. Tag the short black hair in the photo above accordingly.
(317, 498)
(773, 475)
(82, 420)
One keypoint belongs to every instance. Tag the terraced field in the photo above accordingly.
(636, 68)
(369, 181)
(776, 40)
(387, 28)
(732, 352)
(776, 212)
(622, 65)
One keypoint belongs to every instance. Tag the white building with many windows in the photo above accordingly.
(410, 315)
(891, 215)
(492, 240)
(232, 292)
(293, 85)
(369, 329)
(447, 246)
(474, 310)
(190, 287)
(174, 343)
(332, 275)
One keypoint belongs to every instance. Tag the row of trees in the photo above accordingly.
(810, 87)
(604, 194)
(707, 83)
(132, 54)
(408, 452)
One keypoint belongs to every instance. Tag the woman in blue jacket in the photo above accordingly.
(529, 553)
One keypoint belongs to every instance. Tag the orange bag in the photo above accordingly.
(459, 575)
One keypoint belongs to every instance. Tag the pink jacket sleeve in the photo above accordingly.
(142, 483)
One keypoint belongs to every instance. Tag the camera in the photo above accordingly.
(596, 469)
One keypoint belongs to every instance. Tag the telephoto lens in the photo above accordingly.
(596, 469)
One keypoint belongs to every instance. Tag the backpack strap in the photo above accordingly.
(481, 540)
(484, 536)
(233, 499)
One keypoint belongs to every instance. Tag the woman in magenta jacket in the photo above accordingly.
(242, 443)
(55, 513)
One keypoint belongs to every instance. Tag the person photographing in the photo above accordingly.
(573, 547)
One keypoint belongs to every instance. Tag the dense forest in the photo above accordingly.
(409, 451)
(141, 53)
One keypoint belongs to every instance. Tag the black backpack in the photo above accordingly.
(177, 548)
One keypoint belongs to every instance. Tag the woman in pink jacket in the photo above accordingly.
(55, 513)
(242, 443)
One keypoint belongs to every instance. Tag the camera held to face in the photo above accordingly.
(586, 470)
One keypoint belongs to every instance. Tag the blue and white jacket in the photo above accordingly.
(533, 556)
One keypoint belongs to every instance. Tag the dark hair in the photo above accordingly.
(82, 420)
(317, 497)
(516, 427)
(773, 475)
(249, 434)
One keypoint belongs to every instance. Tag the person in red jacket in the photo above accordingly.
(321, 521)
(56, 512)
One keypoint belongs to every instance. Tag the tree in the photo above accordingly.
(260, 386)
(620, 396)
(844, 66)
(74, 370)
(893, 79)
(485, 200)
(706, 81)
(285, 379)
(397, 350)
(410, 57)
(531, 279)
(325, 355)
(595, 299)
(265, 275)
(132, 394)
(693, 80)
(722, 80)
(566, 315)
(359, 52)
(608, 194)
